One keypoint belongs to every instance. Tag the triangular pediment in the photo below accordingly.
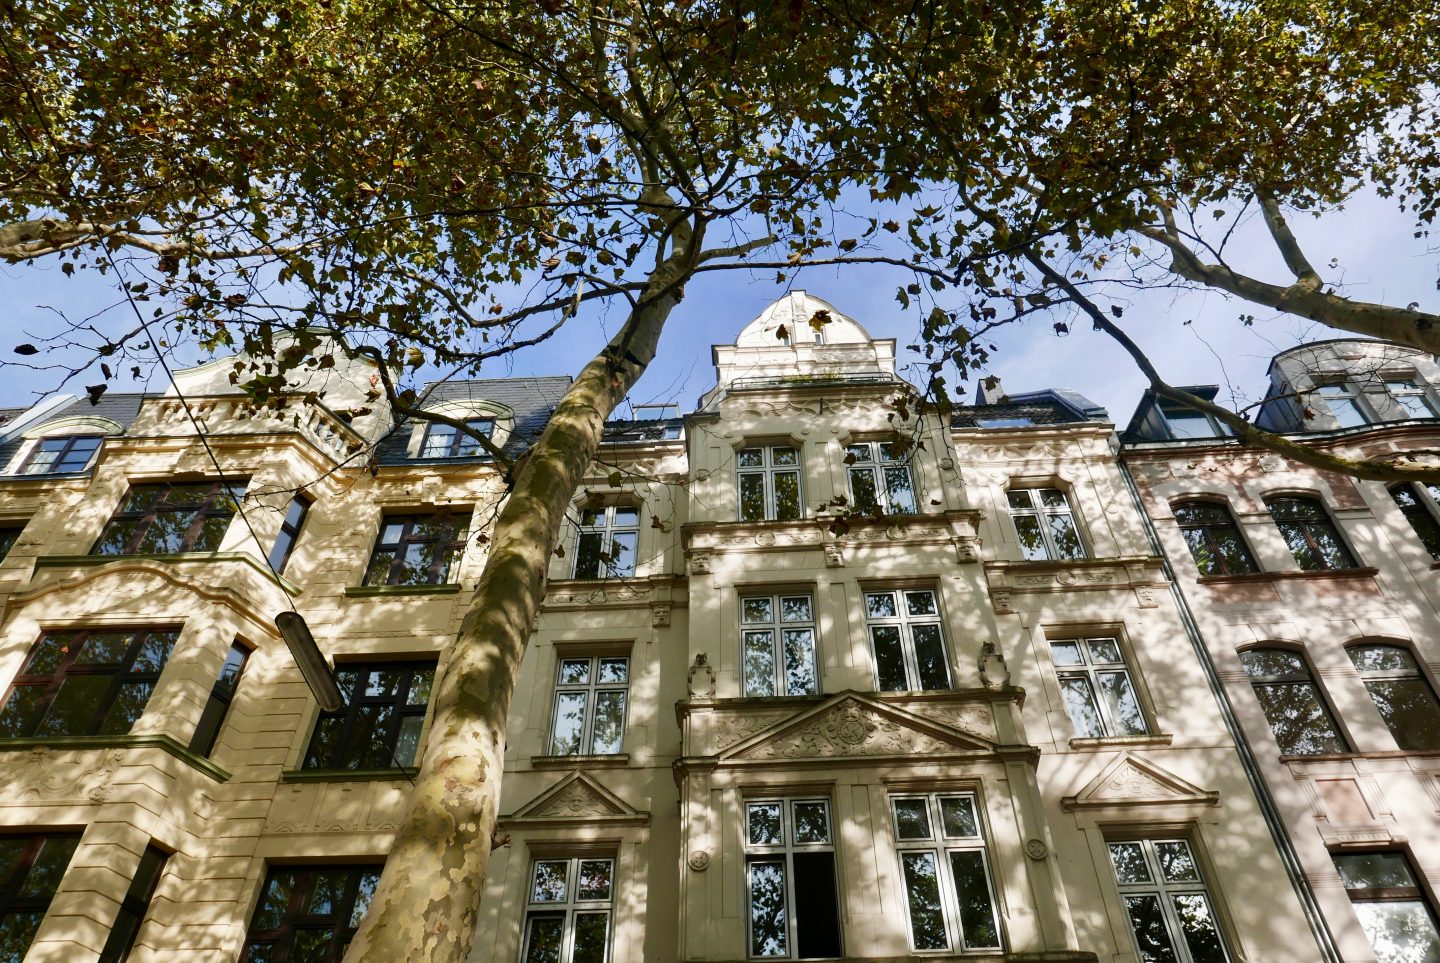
(577, 798)
(1133, 781)
(850, 724)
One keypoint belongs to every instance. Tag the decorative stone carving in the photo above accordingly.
(1003, 601)
(46, 777)
(600, 596)
(1146, 598)
(967, 550)
(849, 729)
(700, 680)
(994, 673)
(660, 615)
(1133, 781)
(700, 564)
(1036, 849)
(699, 861)
(734, 727)
(575, 800)
(834, 555)
(974, 719)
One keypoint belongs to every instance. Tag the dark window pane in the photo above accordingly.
(889, 659)
(922, 892)
(912, 819)
(752, 497)
(1300, 723)
(1408, 707)
(787, 495)
(544, 938)
(1147, 922)
(977, 913)
(128, 706)
(595, 879)
(17, 932)
(49, 867)
(902, 494)
(812, 822)
(609, 728)
(569, 723)
(1121, 703)
(817, 909)
(74, 710)
(591, 932)
(1203, 940)
(1129, 862)
(930, 657)
(768, 936)
(862, 489)
(800, 662)
(958, 816)
(764, 824)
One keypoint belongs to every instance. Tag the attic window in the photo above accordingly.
(1184, 422)
(1017, 422)
(53, 456)
(447, 441)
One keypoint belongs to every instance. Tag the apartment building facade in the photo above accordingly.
(1316, 593)
(820, 674)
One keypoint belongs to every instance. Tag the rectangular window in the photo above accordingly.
(218, 705)
(1343, 401)
(8, 537)
(778, 641)
(1310, 532)
(1165, 897)
(309, 913)
(1394, 913)
(379, 725)
(1186, 422)
(1410, 399)
(1095, 683)
(907, 640)
(31, 868)
(418, 549)
(591, 693)
(1044, 524)
(790, 879)
(609, 536)
(53, 456)
(1420, 504)
(769, 483)
(165, 519)
(134, 907)
(447, 441)
(567, 917)
(879, 479)
(86, 683)
(289, 531)
(1019, 422)
(943, 864)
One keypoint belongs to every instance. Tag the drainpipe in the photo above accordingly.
(1329, 951)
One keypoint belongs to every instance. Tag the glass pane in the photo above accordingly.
(920, 603)
(1019, 500)
(759, 664)
(327, 892)
(274, 903)
(626, 516)
(922, 892)
(591, 930)
(1198, 927)
(1104, 651)
(755, 610)
(1177, 865)
(1382, 658)
(1080, 706)
(128, 706)
(363, 894)
(860, 452)
(622, 554)
(417, 564)
(549, 884)
(787, 495)
(862, 490)
(978, 927)
(889, 660)
(44, 876)
(569, 723)
(1129, 862)
(912, 819)
(930, 657)
(812, 822)
(1374, 871)
(325, 743)
(609, 722)
(420, 682)
(543, 939)
(212, 533)
(1066, 538)
(74, 709)
(880, 605)
(784, 456)
(799, 647)
(1147, 922)
(750, 458)
(1121, 703)
(587, 555)
(1300, 723)
(49, 651)
(379, 571)
(574, 671)
(752, 497)
(1402, 931)
(764, 820)
(11, 849)
(1053, 498)
(613, 670)
(104, 648)
(1232, 549)
(1066, 653)
(594, 880)
(154, 652)
(1032, 544)
(17, 932)
(795, 608)
(18, 719)
(1409, 708)
(1274, 663)
(899, 489)
(767, 909)
(957, 815)
(407, 743)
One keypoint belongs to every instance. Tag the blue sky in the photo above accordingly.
(1372, 244)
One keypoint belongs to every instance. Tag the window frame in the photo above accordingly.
(9, 538)
(942, 846)
(345, 745)
(593, 689)
(135, 906)
(1425, 509)
(1090, 671)
(1305, 529)
(11, 900)
(1348, 394)
(1413, 388)
(1418, 893)
(290, 528)
(906, 621)
(777, 625)
(1322, 701)
(784, 852)
(1207, 530)
(222, 694)
(1168, 411)
(72, 645)
(456, 525)
(607, 526)
(1416, 673)
(68, 444)
(342, 922)
(459, 445)
(768, 471)
(878, 461)
(203, 511)
(1164, 890)
(571, 906)
(1043, 515)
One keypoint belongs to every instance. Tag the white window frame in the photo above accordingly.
(776, 626)
(939, 844)
(1036, 508)
(571, 906)
(1090, 669)
(1407, 386)
(607, 527)
(768, 470)
(1165, 891)
(458, 442)
(906, 622)
(1345, 393)
(877, 459)
(784, 851)
(592, 688)
(31, 464)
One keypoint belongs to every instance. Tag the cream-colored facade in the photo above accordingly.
(840, 735)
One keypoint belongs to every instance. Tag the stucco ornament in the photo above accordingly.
(699, 861)
(993, 670)
(1036, 849)
(701, 678)
(848, 730)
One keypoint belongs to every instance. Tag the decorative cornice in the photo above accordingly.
(657, 591)
(1124, 571)
(148, 740)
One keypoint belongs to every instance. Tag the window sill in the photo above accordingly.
(1328, 573)
(618, 760)
(1322, 757)
(139, 741)
(372, 591)
(80, 561)
(1157, 740)
(347, 775)
(48, 475)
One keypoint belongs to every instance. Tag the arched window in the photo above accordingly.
(1302, 724)
(1401, 693)
(1420, 504)
(1310, 533)
(1214, 538)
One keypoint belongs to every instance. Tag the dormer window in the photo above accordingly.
(1409, 398)
(447, 441)
(1186, 422)
(1343, 400)
(54, 456)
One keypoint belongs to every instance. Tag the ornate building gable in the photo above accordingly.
(851, 724)
(1132, 781)
(577, 798)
